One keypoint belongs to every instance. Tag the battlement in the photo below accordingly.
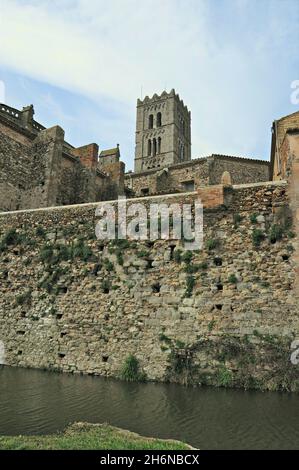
(164, 96)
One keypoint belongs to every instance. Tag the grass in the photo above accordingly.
(131, 370)
(84, 436)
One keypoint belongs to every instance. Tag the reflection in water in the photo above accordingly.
(36, 402)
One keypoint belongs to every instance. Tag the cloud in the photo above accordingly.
(228, 63)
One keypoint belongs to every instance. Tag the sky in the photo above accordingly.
(84, 63)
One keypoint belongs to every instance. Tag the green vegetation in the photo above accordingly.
(40, 232)
(10, 238)
(84, 436)
(21, 299)
(108, 265)
(163, 337)
(190, 283)
(142, 254)
(177, 256)
(187, 257)
(131, 370)
(212, 244)
(232, 278)
(276, 233)
(237, 218)
(253, 218)
(224, 377)
(257, 237)
(53, 253)
(211, 325)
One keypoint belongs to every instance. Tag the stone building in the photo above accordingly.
(38, 168)
(163, 153)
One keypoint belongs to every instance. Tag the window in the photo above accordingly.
(188, 185)
(181, 151)
(159, 120)
(159, 145)
(150, 121)
(154, 147)
(149, 147)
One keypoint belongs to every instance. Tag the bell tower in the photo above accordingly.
(163, 132)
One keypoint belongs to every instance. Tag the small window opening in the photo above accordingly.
(150, 121)
(156, 287)
(159, 120)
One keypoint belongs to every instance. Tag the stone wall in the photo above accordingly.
(201, 172)
(225, 315)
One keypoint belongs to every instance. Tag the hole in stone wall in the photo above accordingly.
(156, 287)
(61, 355)
(105, 290)
(150, 263)
(20, 332)
(62, 334)
(285, 257)
(219, 287)
(105, 358)
(106, 316)
(218, 306)
(20, 352)
(23, 314)
(59, 316)
(172, 248)
(96, 269)
(218, 261)
(63, 290)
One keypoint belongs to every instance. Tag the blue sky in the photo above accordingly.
(82, 63)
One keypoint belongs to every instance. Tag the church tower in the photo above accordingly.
(163, 132)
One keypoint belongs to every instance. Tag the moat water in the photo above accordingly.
(38, 402)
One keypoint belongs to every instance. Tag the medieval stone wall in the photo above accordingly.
(224, 315)
(200, 172)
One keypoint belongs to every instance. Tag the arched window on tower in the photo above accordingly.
(159, 120)
(151, 121)
(154, 147)
(159, 145)
(149, 147)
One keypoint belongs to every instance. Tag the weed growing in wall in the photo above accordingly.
(131, 370)
(257, 237)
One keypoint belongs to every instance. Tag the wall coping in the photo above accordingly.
(142, 198)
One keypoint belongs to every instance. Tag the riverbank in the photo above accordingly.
(86, 436)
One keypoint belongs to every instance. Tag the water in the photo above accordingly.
(38, 402)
